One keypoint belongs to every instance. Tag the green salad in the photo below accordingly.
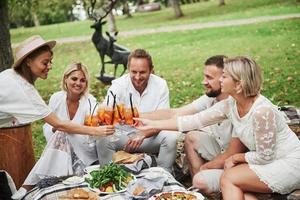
(109, 178)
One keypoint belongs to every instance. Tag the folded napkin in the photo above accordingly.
(145, 187)
(139, 165)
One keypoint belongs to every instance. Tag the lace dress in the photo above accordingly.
(274, 150)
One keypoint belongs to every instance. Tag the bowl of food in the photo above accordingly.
(111, 178)
(177, 195)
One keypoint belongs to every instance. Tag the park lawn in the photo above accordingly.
(194, 13)
(179, 58)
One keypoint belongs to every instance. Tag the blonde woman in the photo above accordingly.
(272, 163)
(73, 103)
(67, 154)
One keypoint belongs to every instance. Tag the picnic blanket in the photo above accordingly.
(54, 192)
(291, 114)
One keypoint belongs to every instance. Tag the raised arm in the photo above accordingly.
(70, 127)
(169, 113)
(215, 114)
(265, 130)
(196, 106)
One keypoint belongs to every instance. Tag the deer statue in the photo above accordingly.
(100, 42)
(117, 56)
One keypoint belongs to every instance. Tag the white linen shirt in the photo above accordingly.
(58, 103)
(20, 102)
(154, 97)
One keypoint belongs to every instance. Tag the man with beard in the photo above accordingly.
(205, 148)
(147, 92)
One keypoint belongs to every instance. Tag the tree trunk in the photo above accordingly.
(35, 19)
(176, 7)
(221, 2)
(112, 28)
(6, 56)
(126, 10)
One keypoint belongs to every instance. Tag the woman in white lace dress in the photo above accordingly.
(272, 163)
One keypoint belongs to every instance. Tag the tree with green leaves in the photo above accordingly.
(6, 57)
(35, 12)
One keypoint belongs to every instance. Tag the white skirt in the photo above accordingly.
(56, 160)
(282, 175)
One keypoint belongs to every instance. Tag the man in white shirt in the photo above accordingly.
(205, 148)
(149, 93)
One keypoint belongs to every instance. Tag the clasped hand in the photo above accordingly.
(134, 143)
(230, 162)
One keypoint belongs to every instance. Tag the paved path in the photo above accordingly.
(184, 27)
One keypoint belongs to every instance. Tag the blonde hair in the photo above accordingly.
(247, 71)
(72, 68)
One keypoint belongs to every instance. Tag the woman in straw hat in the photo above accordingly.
(272, 163)
(20, 102)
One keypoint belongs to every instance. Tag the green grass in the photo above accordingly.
(194, 13)
(179, 58)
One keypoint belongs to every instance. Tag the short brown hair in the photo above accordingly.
(217, 60)
(140, 53)
(247, 71)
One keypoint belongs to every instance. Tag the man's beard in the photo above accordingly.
(214, 93)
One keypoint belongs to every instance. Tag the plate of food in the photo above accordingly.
(111, 178)
(177, 195)
(73, 180)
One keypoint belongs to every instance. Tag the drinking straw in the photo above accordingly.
(90, 105)
(107, 101)
(94, 108)
(131, 106)
(113, 108)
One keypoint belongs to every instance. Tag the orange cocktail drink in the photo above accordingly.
(129, 114)
(91, 120)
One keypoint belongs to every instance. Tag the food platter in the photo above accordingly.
(177, 195)
(109, 179)
(104, 192)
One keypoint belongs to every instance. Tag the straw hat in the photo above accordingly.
(28, 46)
